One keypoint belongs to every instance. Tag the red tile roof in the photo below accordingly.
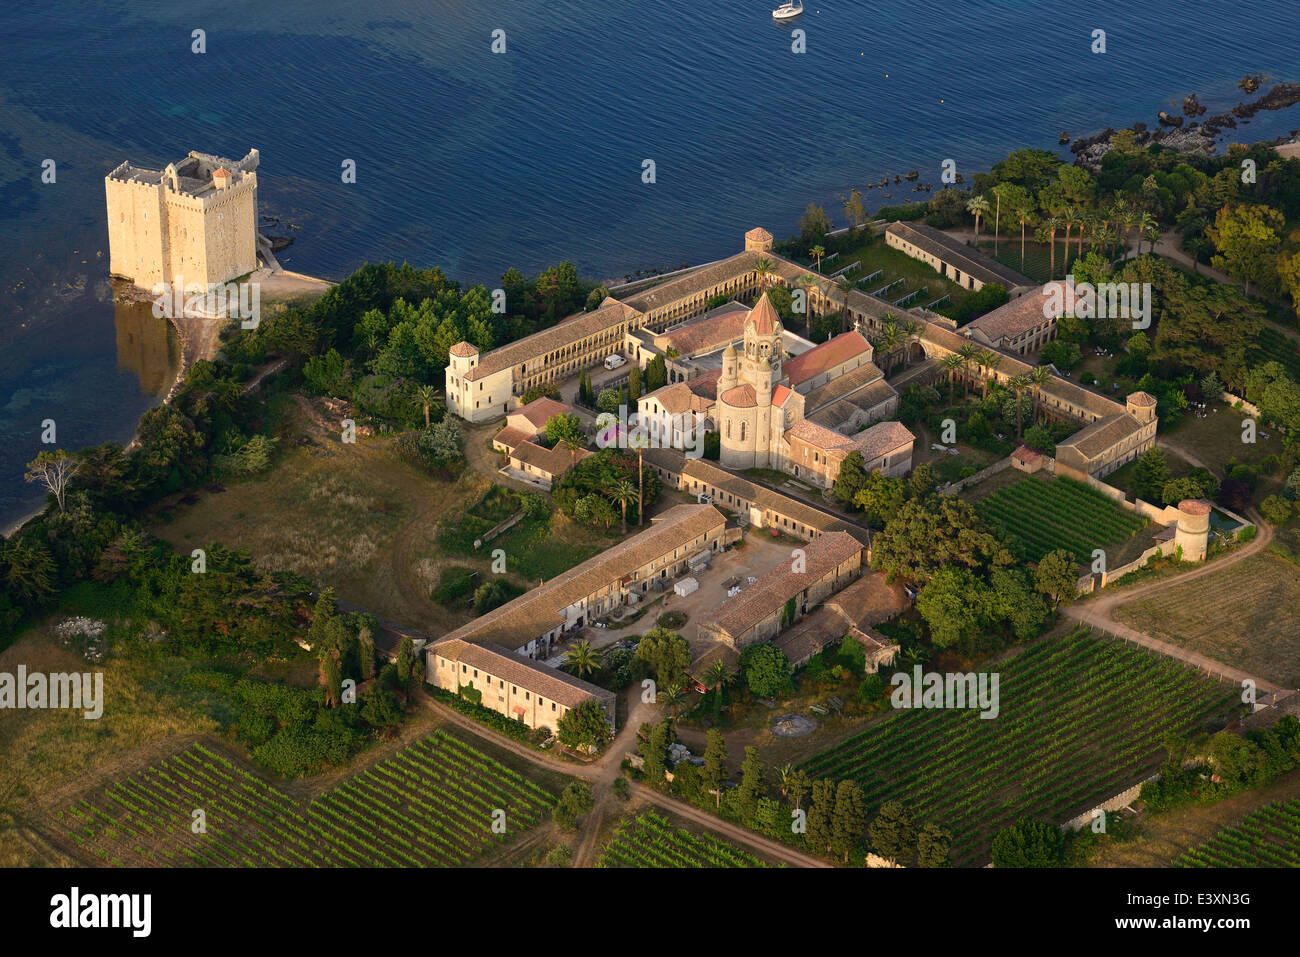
(740, 397)
(764, 316)
(463, 349)
(512, 438)
(542, 410)
(1020, 315)
(826, 356)
(822, 555)
(708, 333)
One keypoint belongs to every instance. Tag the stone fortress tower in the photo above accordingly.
(1192, 532)
(194, 221)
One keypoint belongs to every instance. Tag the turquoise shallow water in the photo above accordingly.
(477, 161)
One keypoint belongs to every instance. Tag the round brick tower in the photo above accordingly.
(1193, 530)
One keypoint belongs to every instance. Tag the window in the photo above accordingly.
(475, 672)
(552, 705)
(525, 695)
(464, 668)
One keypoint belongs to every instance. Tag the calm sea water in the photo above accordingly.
(477, 162)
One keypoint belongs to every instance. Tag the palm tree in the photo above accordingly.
(1069, 216)
(718, 676)
(969, 355)
(997, 218)
(715, 679)
(978, 207)
(1024, 212)
(845, 284)
(764, 269)
(887, 341)
(784, 776)
(622, 492)
(950, 364)
(1052, 224)
(638, 440)
(1147, 226)
(1019, 383)
(989, 361)
(809, 282)
(426, 395)
(581, 659)
(671, 697)
(817, 252)
(1039, 376)
(1125, 218)
(574, 445)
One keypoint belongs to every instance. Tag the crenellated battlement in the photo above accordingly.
(196, 217)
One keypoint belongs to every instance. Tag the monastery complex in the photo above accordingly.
(776, 400)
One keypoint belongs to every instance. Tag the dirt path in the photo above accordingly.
(734, 832)
(601, 774)
(1099, 611)
(1166, 836)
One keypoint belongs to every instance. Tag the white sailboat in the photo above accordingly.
(788, 11)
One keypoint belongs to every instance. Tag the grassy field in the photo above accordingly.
(1081, 718)
(1038, 515)
(873, 254)
(362, 520)
(651, 841)
(432, 804)
(1270, 837)
(1218, 437)
(1247, 616)
(45, 750)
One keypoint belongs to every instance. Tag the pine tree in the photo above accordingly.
(849, 819)
(751, 784)
(892, 834)
(932, 844)
(366, 652)
(819, 815)
(715, 763)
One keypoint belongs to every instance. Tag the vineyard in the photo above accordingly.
(1037, 516)
(429, 805)
(1080, 719)
(651, 841)
(1268, 838)
(1247, 613)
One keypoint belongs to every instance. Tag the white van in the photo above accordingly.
(614, 361)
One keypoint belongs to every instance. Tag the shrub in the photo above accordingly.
(454, 583)
(1029, 843)
(1276, 509)
(672, 620)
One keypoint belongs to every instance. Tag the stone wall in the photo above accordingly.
(1001, 465)
(1237, 402)
(1121, 800)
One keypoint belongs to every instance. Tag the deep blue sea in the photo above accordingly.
(477, 161)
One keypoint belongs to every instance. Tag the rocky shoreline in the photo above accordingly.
(1177, 133)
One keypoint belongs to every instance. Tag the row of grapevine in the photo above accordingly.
(1039, 516)
(1270, 837)
(1079, 719)
(651, 841)
(432, 804)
